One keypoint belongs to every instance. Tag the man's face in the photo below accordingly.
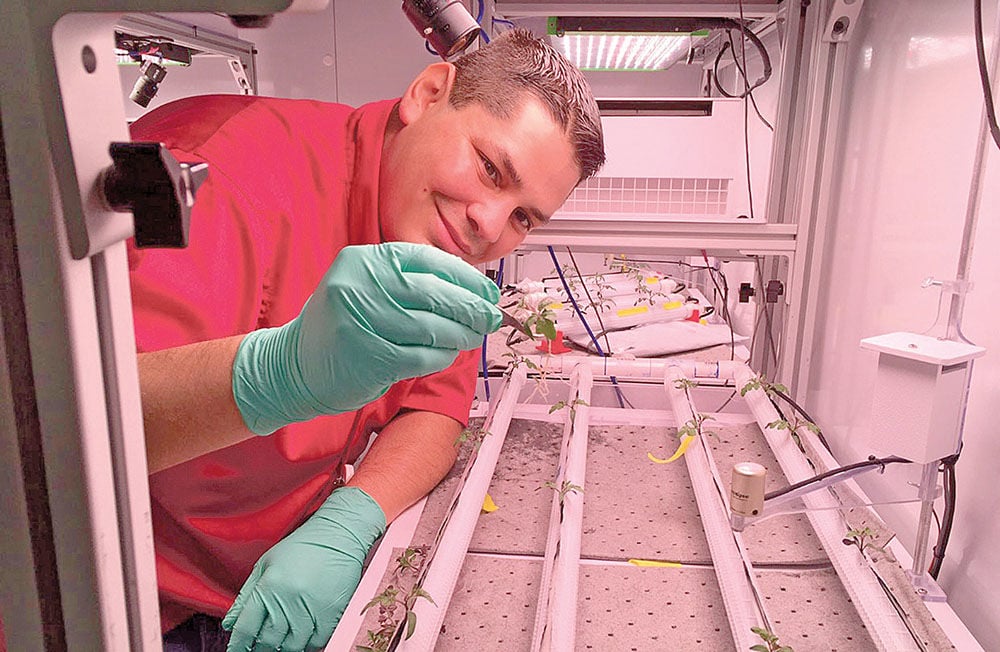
(472, 184)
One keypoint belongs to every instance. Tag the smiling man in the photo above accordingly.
(327, 295)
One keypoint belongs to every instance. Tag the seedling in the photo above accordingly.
(692, 427)
(562, 490)
(393, 598)
(863, 539)
(793, 429)
(685, 383)
(760, 382)
(541, 319)
(771, 643)
(645, 291)
(572, 407)
(474, 434)
(540, 385)
(595, 288)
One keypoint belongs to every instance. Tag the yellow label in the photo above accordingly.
(673, 305)
(652, 280)
(652, 563)
(685, 442)
(554, 306)
(489, 505)
(628, 312)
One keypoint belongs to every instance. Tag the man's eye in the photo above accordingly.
(491, 170)
(523, 220)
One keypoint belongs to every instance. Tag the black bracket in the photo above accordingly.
(773, 290)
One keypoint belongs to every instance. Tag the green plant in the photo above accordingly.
(760, 382)
(540, 382)
(793, 428)
(685, 384)
(770, 642)
(474, 434)
(863, 538)
(572, 407)
(645, 291)
(562, 490)
(692, 427)
(541, 319)
(394, 597)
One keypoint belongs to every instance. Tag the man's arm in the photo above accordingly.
(412, 453)
(187, 401)
(300, 587)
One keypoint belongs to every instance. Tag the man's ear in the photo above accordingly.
(431, 86)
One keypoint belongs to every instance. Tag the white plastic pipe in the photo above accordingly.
(883, 623)
(561, 612)
(540, 628)
(637, 368)
(444, 568)
(734, 583)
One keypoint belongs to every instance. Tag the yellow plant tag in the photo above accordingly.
(685, 442)
(488, 505)
(652, 280)
(555, 305)
(628, 312)
(652, 563)
(673, 305)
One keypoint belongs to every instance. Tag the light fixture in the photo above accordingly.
(627, 43)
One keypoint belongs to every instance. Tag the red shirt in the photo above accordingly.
(291, 182)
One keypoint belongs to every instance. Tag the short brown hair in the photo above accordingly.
(495, 77)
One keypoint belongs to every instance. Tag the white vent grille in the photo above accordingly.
(650, 195)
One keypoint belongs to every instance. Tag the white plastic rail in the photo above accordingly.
(727, 557)
(558, 629)
(884, 625)
(443, 569)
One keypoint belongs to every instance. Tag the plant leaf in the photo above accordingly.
(546, 328)
(411, 624)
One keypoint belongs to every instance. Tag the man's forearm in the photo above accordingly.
(409, 457)
(187, 401)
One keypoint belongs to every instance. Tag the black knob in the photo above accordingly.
(146, 179)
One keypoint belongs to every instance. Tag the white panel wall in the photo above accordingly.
(913, 108)
(378, 51)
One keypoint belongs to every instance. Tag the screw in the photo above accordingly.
(89, 59)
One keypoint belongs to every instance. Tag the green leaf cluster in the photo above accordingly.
(771, 643)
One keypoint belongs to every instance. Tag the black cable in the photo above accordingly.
(984, 73)
(765, 59)
(948, 518)
(725, 303)
(743, 74)
(597, 309)
(871, 461)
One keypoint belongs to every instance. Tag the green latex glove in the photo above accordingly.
(298, 589)
(382, 313)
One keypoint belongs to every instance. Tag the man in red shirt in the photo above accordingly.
(251, 330)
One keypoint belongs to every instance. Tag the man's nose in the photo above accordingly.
(488, 219)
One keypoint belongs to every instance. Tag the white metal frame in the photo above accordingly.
(76, 474)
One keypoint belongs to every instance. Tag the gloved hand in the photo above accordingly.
(299, 589)
(382, 313)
